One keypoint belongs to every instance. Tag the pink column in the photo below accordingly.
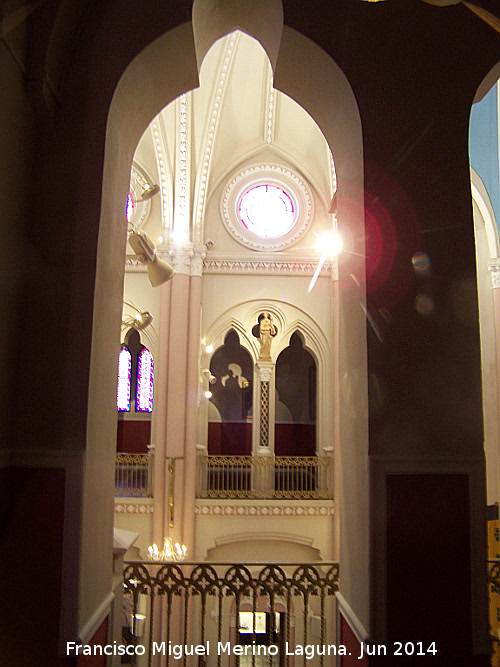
(192, 388)
(176, 405)
(161, 398)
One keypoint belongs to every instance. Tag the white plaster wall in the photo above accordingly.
(138, 291)
(238, 294)
(139, 521)
(282, 535)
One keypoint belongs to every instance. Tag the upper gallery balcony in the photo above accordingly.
(236, 477)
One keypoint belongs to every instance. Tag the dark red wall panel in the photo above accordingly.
(133, 436)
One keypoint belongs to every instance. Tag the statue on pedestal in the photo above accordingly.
(265, 331)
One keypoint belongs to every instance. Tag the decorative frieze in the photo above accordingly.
(196, 263)
(133, 508)
(265, 373)
(227, 509)
(270, 267)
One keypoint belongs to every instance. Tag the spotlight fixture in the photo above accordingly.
(159, 272)
(139, 320)
(211, 378)
(149, 193)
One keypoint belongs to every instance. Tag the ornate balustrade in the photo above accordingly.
(494, 575)
(133, 475)
(218, 614)
(284, 477)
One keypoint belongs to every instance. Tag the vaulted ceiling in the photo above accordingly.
(235, 117)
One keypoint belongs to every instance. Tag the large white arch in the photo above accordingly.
(488, 263)
(308, 75)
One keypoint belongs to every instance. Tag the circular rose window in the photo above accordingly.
(267, 211)
(266, 207)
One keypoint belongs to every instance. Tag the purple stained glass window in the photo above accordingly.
(145, 381)
(124, 375)
(130, 207)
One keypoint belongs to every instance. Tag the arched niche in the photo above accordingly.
(289, 320)
(258, 546)
(296, 401)
(230, 409)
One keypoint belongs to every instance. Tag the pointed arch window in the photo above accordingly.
(124, 379)
(145, 381)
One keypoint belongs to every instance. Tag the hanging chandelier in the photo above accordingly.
(170, 552)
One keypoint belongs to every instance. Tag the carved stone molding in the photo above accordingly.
(133, 508)
(494, 269)
(227, 509)
(263, 174)
(161, 162)
(265, 373)
(187, 261)
(209, 139)
(271, 267)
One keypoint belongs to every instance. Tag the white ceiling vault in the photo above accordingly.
(233, 125)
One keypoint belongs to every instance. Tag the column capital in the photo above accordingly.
(494, 270)
(185, 259)
(265, 370)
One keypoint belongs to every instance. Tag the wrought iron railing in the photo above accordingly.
(285, 477)
(230, 614)
(494, 575)
(133, 475)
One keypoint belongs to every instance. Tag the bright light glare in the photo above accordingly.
(330, 244)
(267, 211)
(209, 349)
(208, 394)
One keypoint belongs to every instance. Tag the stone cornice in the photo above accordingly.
(267, 266)
(195, 263)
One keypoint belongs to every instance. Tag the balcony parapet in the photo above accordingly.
(264, 477)
(230, 609)
(134, 475)
(494, 574)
